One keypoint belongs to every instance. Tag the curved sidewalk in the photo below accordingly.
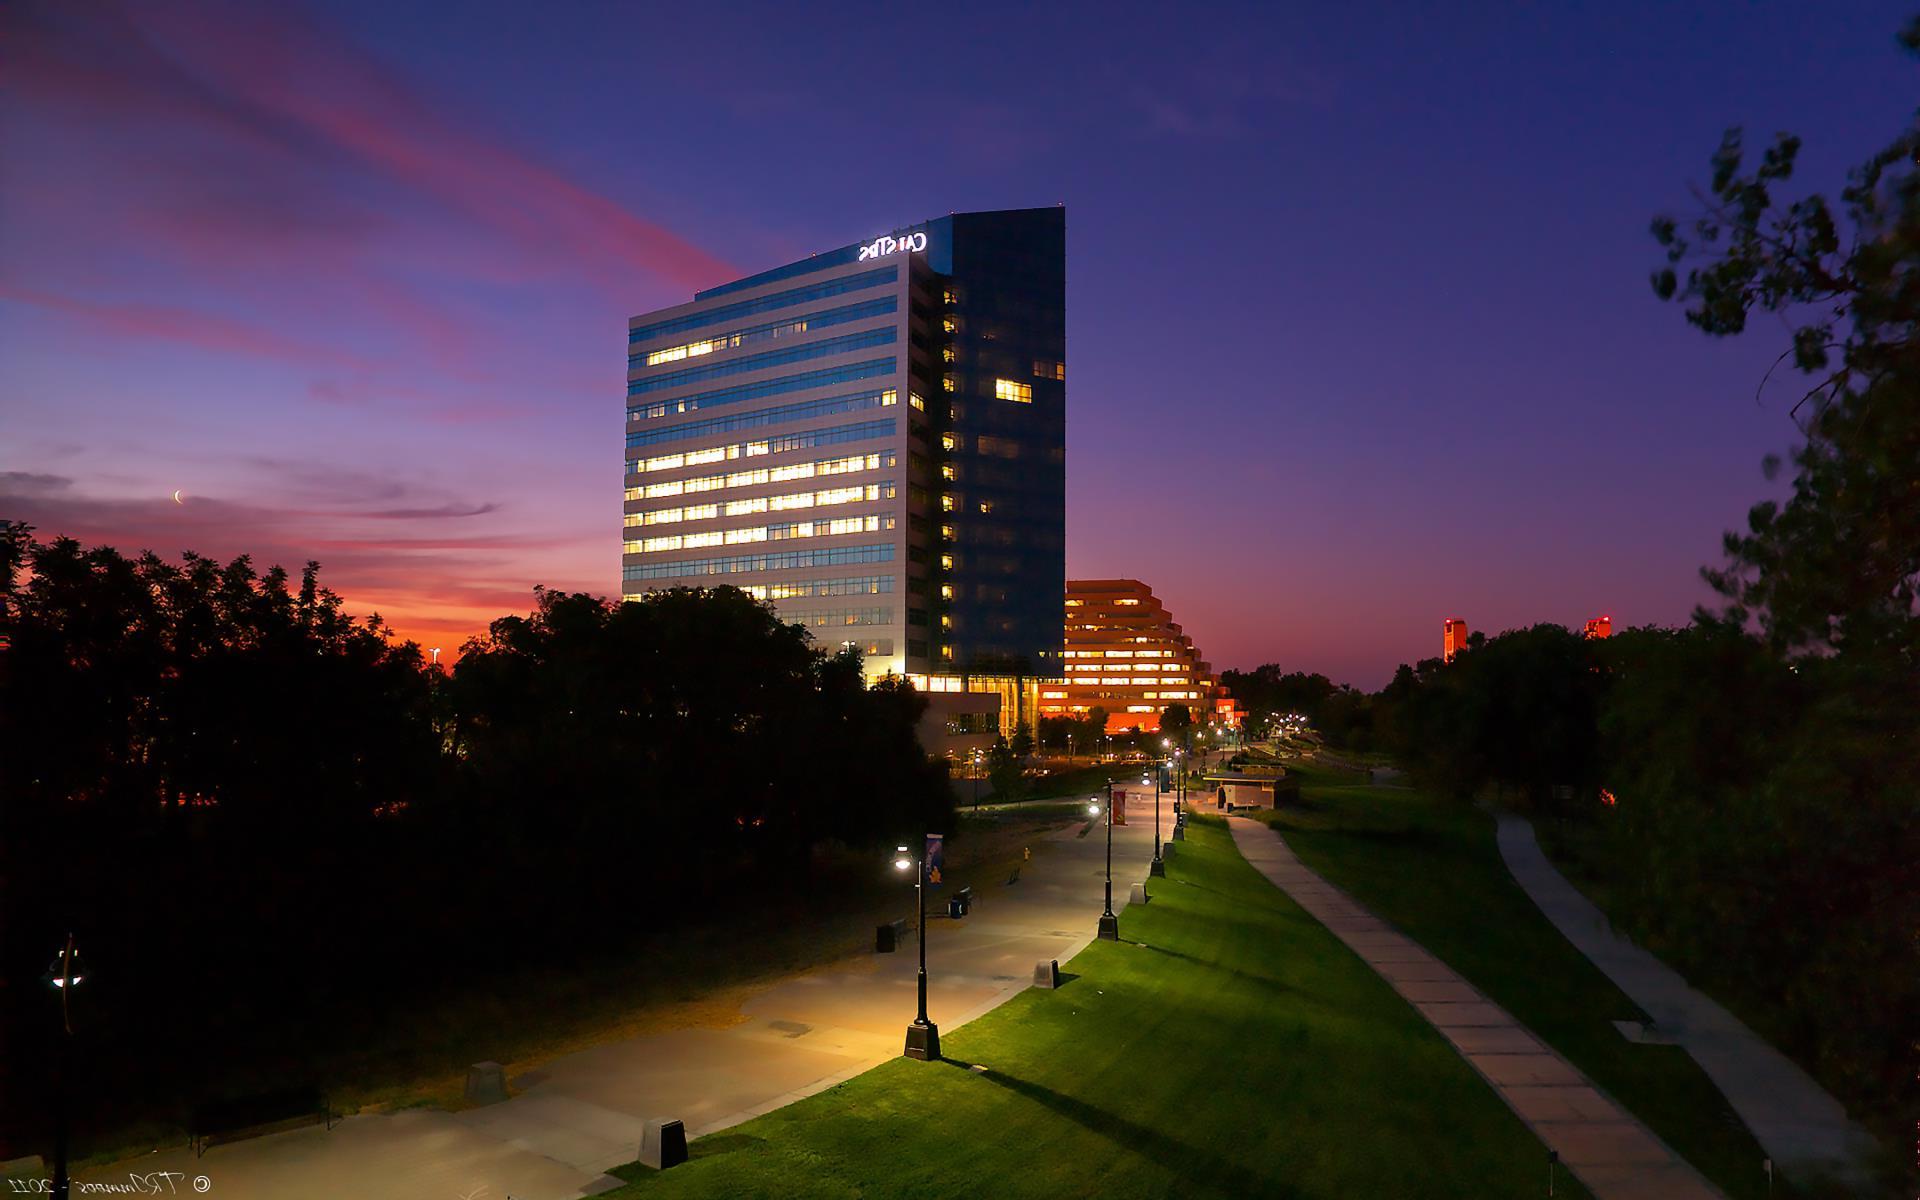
(1611, 1152)
(1799, 1125)
(574, 1118)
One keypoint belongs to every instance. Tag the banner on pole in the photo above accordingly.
(1119, 808)
(936, 857)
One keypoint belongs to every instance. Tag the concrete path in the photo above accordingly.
(1616, 1156)
(576, 1117)
(1802, 1128)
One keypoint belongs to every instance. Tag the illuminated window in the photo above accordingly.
(946, 354)
(1008, 389)
(946, 621)
(1049, 370)
(914, 399)
(946, 652)
(949, 297)
(948, 323)
(946, 562)
(946, 531)
(947, 442)
(946, 591)
(946, 503)
(947, 383)
(946, 470)
(986, 506)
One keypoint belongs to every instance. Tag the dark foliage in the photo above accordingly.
(270, 827)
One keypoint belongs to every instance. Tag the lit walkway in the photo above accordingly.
(1800, 1126)
(573, 1118)
(1616, 1156)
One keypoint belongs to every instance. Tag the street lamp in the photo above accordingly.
(923, 1036)
(1109, 924)
(63, 976)
(1158, 866)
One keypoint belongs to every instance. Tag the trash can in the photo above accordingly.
(956, 907)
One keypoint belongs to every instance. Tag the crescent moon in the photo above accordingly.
(176, 497)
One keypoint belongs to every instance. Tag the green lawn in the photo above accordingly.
(1435, 871)
(1231, 1047)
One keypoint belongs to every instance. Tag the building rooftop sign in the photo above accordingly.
(912, 243)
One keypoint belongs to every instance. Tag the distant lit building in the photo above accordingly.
(1125, 654)
(1600, 627)
(873, 439)
(1454, 638)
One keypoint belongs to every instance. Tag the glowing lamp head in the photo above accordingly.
(1093, 808)
(902, 860)
(66, 968)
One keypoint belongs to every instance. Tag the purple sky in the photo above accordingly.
(1359, 329)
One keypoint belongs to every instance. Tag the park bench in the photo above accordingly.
(234, 1117)
(887, 938)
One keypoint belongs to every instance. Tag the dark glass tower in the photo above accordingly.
(893, 413)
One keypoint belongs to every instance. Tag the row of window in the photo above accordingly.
(772, 331)
(840, 616)
(1096, 668)
(837, 435)
(778, 415)
(1014, 390)
(759, 391)
(825, 497)
(819, 467)
(736, 564)
(784, 531)
(1125, 681)
(772, 303)
(1117, 654)
(867, 585)
(886, 335)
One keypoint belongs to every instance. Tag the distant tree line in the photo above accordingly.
(1341, 714)
(269, 824)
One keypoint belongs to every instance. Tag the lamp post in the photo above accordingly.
(1158, 866)
(923, 1036)
(63, 976)
(1109, 924)
(976, 777)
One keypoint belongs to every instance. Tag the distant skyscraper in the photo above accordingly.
(874, 439)
(1600, 627)
(1125, 654)
(1454, 638)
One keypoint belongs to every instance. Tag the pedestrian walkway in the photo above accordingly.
(1802, 1128)
(574, 1118)
(1611, 1152)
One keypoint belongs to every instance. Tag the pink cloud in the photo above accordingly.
(202, 330)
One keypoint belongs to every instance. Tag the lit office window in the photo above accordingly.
(1008, 389)
(1049, 370)
(948, 441)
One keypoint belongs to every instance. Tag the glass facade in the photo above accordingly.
(971, 516)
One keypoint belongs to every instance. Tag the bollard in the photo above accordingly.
(663, 1144)
(1139, 895)
(1046, 973)
(486, 1083)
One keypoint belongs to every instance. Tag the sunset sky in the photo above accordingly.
(1359, 328)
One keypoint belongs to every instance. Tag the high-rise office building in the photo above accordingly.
(1453, 638)
(1125, 654)
(873, 438)
(1600, 627)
